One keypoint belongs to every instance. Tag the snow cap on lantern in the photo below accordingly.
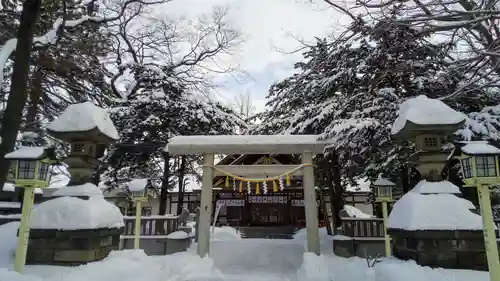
(138, 189)
(427, 121)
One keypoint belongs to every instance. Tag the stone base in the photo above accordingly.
(173, 246)
(71, 247)
(454, 249)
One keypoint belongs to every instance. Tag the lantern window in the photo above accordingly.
(27, 169)
(384, 191)
(485, 166)
(430, 142)
(43, 171)
(467, 167)
(78, 147)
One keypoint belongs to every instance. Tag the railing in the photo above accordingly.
(371, 228)
(363, 227)
(150, 226)
(9, 218)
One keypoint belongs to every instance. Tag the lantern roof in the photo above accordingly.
(479, 148)
(422, 115)
(32, 153)
(137, 185)
(84, 121)
(383, 182)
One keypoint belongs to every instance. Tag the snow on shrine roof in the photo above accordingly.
(83, 117)
(479, 147)
(427, 187)
(422, 110)
(26, 152)
(137, 185)
(72, 213)
(383, 182)
(246, 144)
(87, 189)
(415, 211)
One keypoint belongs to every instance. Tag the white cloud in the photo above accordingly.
(266, 25)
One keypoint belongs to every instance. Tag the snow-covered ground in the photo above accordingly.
(232, 259)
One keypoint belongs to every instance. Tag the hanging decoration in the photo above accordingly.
(278, 184)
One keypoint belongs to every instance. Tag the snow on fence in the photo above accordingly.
(150, 226)
(371, 228)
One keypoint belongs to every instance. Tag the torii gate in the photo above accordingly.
(208, 146)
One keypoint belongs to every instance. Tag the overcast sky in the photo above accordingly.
(266, 25)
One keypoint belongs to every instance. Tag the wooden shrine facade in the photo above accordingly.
(284, 208)
(238, 207)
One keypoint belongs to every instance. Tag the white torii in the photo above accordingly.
(306, 145)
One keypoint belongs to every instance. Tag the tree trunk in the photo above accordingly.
(338, 190)
(182, 171)
(17, 96)
(328, 175)
(162, 209)
(325, 211)
(403, 175)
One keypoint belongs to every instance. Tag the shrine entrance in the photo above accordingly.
(256, 179)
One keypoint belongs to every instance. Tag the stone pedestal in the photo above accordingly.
(454, 249)
(71, 247)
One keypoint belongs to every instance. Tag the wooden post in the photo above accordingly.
(137, 230)
(24, 230)
(310, 207)
(205, 206)
(490, 241)
(387, 239)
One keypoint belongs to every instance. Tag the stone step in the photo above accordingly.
(267, 232)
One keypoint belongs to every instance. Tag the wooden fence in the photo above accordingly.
(150, 226)
(369, 228)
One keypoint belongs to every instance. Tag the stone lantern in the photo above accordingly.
(89, 130)
(431, 224)
(427, 122)
(84, 227)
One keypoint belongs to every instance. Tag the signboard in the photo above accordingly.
(300, 202)
(267, 199)
(231, 202)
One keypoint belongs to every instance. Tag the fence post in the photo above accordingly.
(197, 225)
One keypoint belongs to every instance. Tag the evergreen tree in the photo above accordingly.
(153, 117)
(349, 91)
